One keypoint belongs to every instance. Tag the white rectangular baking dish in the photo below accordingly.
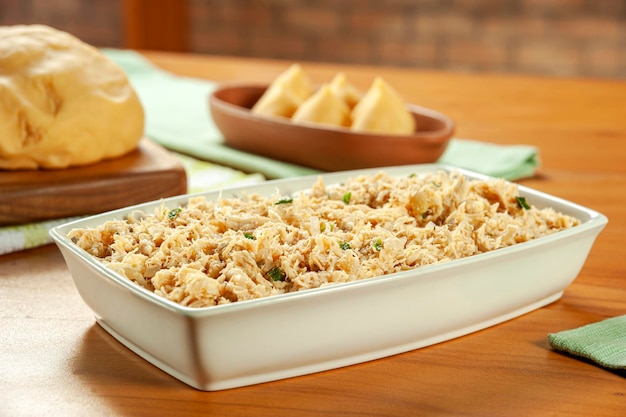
(298, 333)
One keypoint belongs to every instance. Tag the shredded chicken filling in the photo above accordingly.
(207, 253)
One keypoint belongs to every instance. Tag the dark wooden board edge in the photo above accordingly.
(148, 173)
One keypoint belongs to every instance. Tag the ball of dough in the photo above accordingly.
(62, 102)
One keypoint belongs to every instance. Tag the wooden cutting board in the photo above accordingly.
(148, 173)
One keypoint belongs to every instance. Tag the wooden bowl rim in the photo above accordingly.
(217, 102)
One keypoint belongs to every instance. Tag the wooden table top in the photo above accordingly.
(55, 360)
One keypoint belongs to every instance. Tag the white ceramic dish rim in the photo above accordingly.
(59, 234)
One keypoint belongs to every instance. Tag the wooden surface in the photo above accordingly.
(162, 25)
(54, 359)
(148, 173)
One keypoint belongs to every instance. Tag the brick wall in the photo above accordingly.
(552, 37)
(547, 37)
(98, 22)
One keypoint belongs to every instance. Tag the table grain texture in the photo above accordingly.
(55, 360)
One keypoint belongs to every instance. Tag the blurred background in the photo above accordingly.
(540, 37)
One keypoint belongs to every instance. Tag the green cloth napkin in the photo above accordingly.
(603, 342)
(27, 236)
(177, 116)
(511, 162)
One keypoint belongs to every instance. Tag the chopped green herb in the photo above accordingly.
(412, 175)
(276, 274)
(377, 244)
(284, 200)
(327, 226)
(344, 245)
(174, 212)
(346, 197)
(521, 201)
(249, 236)
(435, 184)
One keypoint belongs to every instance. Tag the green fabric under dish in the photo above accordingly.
(177, 116)
(603, 342)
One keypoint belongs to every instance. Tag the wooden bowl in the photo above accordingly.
(323, 147)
